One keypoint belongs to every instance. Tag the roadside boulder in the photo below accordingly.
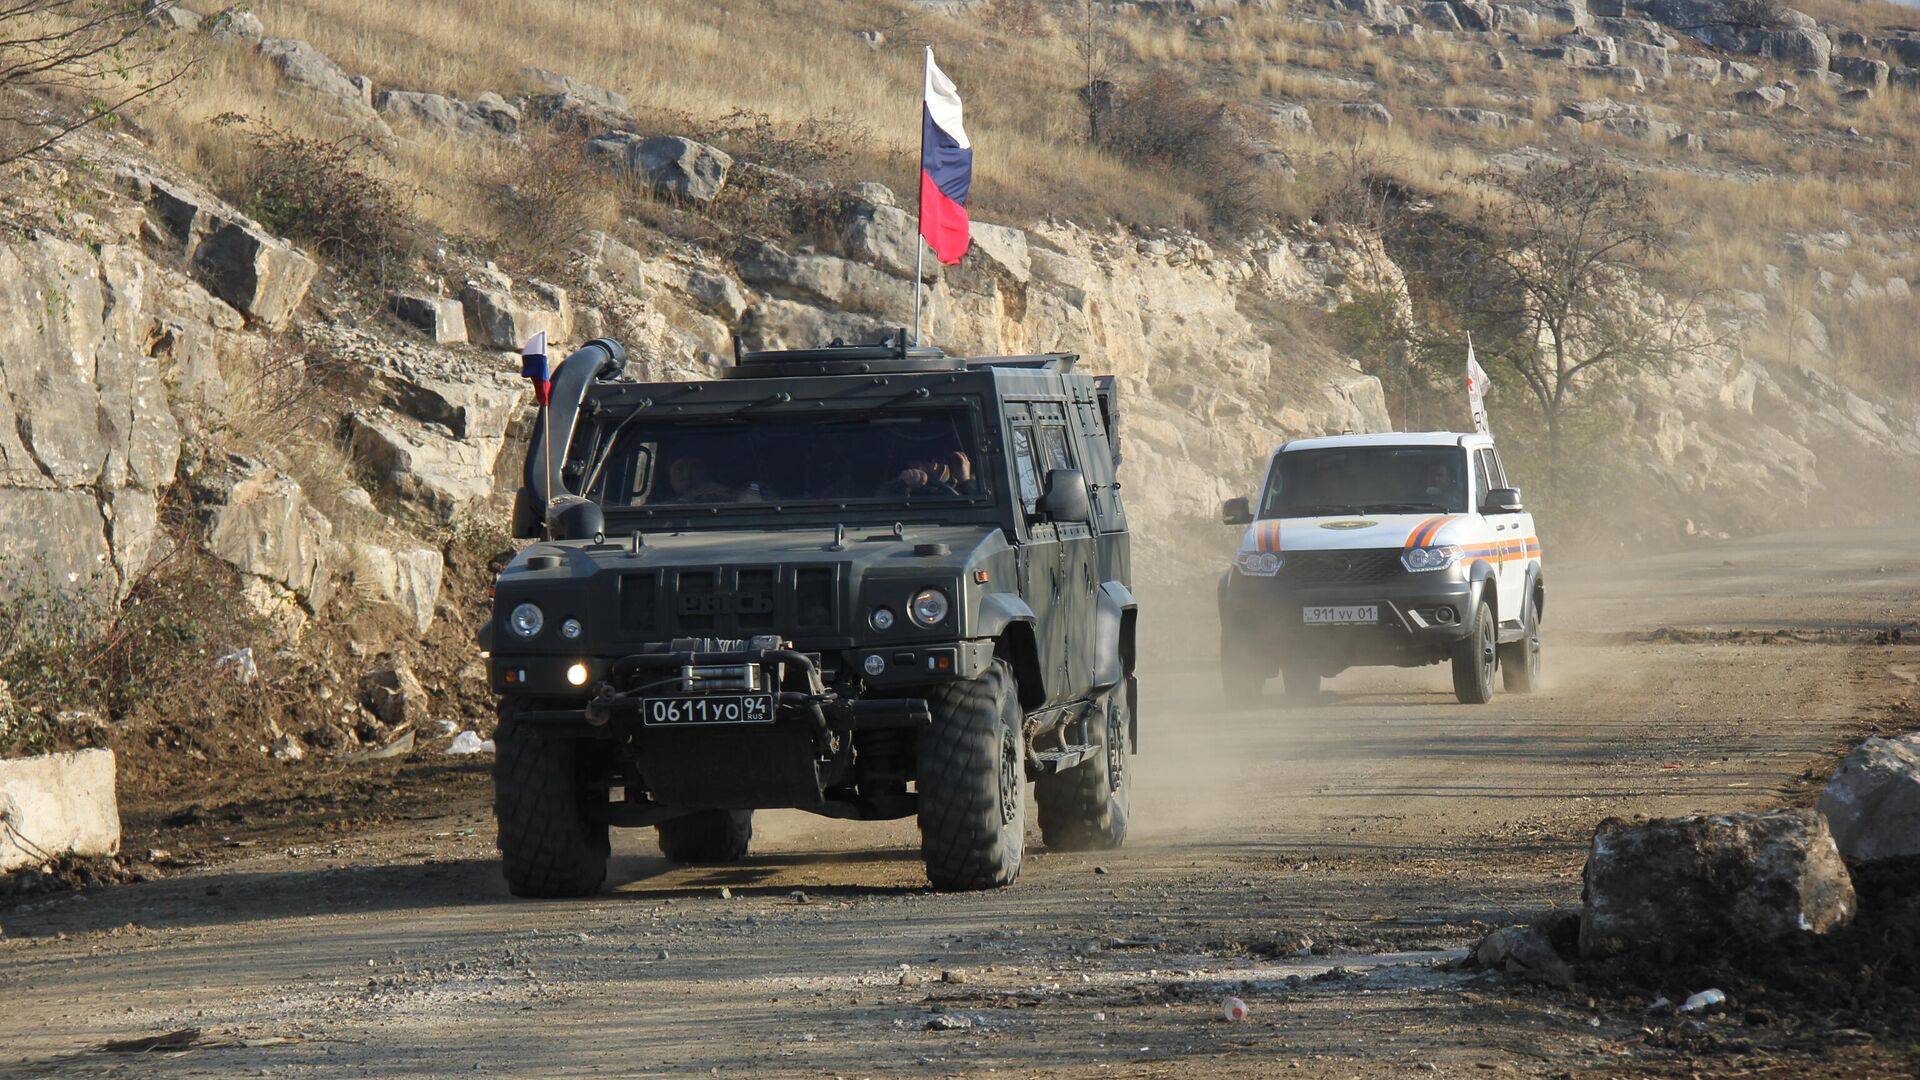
(1760, 99)
(1676, 886)
(553, 82)
(235, 22)
(488, 114)
(258, 521)
(421, 463)
(169, 15)
(404, 578)
(501, 320)
(443, 318)
(300, 63)
(57, 804)
(872, 231)
(681, 167)
(1872, 804)
(1371, 112)
(1795, 46)
(393, 695)
(261, 275)
(1523, 952)
(1862, 71)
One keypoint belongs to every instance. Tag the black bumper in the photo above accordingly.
(1420, 617)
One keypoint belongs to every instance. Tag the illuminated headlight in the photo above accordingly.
(874, 665)
(929, 607)
(1421, 560)
(577, 674)
(571, 629)
(1258, 563)
(527, 620)
(881, 619)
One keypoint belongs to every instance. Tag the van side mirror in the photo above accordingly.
(1502, 501)
(1065, 498)
(1236, 512)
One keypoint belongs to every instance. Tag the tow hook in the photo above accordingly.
(600, 708)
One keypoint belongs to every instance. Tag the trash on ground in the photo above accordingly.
(1233, 1008)
(949, 1022)
(1703, 1001)
(470, 742)
(241, 661)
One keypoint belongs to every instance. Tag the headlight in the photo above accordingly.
(1259, 563)
(570, 629)
(577, 675)
(1421, 560)
(929, 607)
(881, 619)
(527, 620)
(874, 665)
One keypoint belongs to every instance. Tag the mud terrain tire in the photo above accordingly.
(1474, 657)
(1300, 684)
(971, 782)
(707, 836)
(548, 846)
(1085, 808)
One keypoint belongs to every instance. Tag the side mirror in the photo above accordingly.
(1065, 498)
(575, 518)
(1236, 512)
(1502, 501)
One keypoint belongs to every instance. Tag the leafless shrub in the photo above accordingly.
(89, 49)
(1163, 122)
(543, 198)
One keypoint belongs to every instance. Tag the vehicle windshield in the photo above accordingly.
(1367, 480)
(923, 456)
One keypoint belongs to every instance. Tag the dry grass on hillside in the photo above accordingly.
(688, 65)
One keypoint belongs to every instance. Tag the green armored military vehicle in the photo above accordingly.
(868, 582)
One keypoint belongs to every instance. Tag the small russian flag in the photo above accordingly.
(533, 365)
(946, 168)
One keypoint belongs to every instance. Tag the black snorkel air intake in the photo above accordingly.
(599, 360)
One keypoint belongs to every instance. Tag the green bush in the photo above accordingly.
(321, 191)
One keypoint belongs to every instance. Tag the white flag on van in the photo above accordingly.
(1476, 390)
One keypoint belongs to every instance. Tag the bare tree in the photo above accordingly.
(1093, 44)
(87, 48)
(1556, 280)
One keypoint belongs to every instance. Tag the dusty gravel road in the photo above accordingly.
(1382, 829)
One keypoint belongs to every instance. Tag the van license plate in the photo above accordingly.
(718, 709)
(1341, 616)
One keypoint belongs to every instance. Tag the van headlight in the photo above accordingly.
(929, 607)
(1258, 563)
(1422, 560)
(526, 620)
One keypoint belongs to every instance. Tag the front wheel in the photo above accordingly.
(1520, 661)
(972, 784)
(549, 845)
(1474, 657)
(1085, 808)
(706, 836)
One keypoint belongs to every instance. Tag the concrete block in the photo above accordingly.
(57, 804)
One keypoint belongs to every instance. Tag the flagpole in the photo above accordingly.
(920, 204)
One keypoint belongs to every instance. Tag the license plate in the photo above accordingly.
(718, 709)
(1341, 616)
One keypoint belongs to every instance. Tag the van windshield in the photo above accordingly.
(1339, 480)
(923, 456)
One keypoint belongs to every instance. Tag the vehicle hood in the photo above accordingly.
(1348, 532)
(864, 548)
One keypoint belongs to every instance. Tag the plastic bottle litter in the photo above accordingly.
(468, 742)
(241, 661)
(1705, 999)
(1233, 1008)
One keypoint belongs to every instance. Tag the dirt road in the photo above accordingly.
(1327, 863)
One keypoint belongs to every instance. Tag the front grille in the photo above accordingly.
(727, 602)
(1367, 567)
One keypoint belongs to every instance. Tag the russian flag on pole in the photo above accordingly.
(946, 168)
(533, 367)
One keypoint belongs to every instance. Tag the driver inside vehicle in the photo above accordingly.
(1441, 482)
(946, 473)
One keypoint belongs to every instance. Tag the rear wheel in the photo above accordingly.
(549, 846)
(1474, 657)
(1520, 661)
(1085, 808)
(707, 836)
(971, 783)
(1302, 683)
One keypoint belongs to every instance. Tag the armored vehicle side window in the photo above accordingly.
(1055, 438)
(1023, 466)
